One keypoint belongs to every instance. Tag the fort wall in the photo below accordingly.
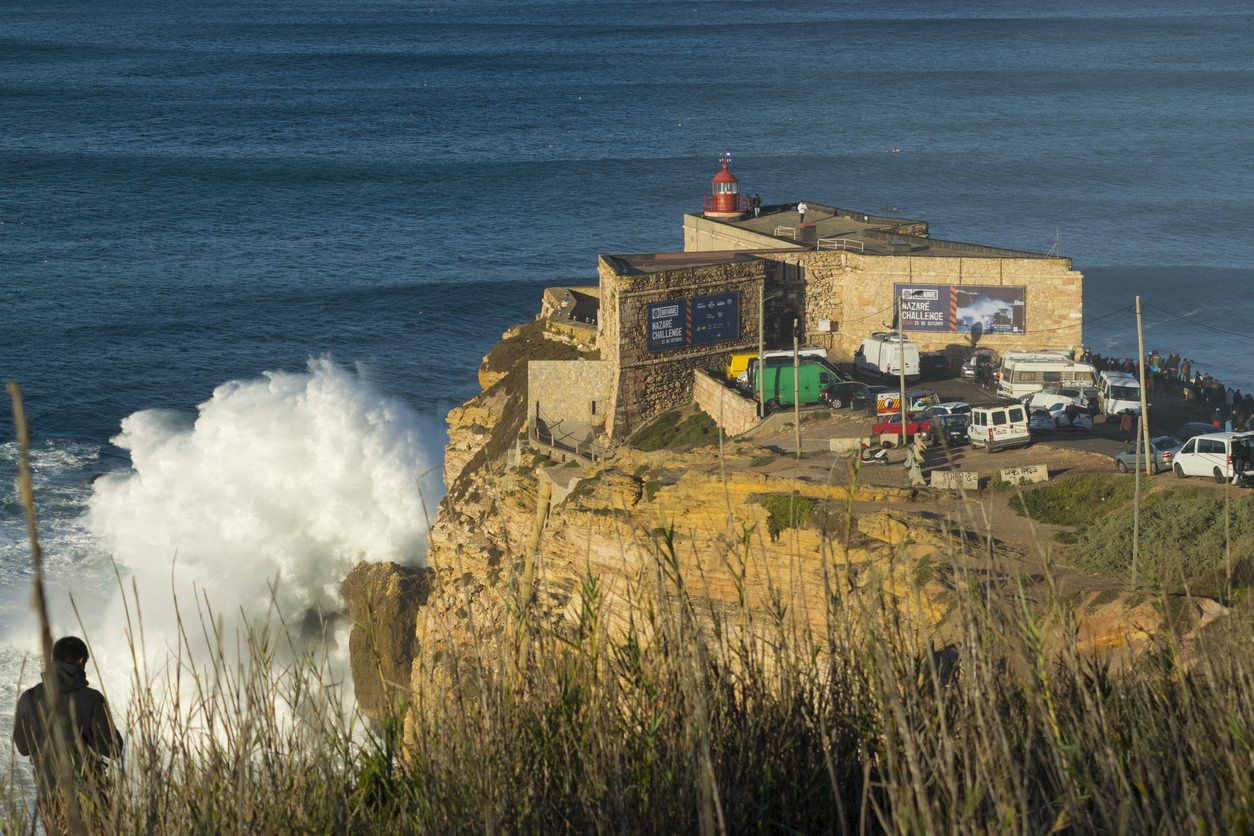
(648, 383)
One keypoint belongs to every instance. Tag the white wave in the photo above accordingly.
(279, 484)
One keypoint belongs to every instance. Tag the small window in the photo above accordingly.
(1210, 445)
(594, 407)
(825, 378)
(1189, 448)
(1051, 377)
(999, 418)
(1025, 377)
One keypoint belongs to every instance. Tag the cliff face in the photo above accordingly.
(648, 522)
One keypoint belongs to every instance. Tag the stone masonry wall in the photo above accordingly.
(855, 292)
(645, 383)
(569, 390)
(734, 412)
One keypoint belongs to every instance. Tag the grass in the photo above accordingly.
(669, 432)
(1075, 500)
(761, 461)
(688, 717)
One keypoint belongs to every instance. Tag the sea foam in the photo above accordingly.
(270, 496)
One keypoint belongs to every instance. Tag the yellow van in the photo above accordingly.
(738, 363)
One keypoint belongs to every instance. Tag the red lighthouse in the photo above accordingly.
(724, 201)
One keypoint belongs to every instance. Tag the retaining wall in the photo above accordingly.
(734, 412)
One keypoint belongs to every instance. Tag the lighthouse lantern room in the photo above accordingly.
(724, 201)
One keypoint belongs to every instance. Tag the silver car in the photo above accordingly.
(1162, 450)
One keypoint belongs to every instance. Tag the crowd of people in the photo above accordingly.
(1233, 411)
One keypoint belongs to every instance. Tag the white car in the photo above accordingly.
(1047, 399)
(1220, 455)
(950, 408)
(1080, 421)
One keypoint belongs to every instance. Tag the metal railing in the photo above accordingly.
(841, 244)
(553, 435)
(781, 231)
(740, 202)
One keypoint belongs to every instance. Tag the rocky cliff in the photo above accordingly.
(637, 527)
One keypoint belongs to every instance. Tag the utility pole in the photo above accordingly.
(761, 350)
(1142, 444)
(901, 365)
(796, 382)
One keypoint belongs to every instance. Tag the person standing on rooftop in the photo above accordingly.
(801, 211)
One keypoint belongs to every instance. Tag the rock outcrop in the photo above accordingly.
(384, 600)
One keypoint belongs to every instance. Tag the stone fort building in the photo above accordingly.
(665, 322)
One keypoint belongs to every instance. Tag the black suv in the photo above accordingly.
(844, 393)
(935, 366)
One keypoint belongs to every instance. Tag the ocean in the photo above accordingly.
(251, 253)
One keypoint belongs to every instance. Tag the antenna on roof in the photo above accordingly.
(725, 157)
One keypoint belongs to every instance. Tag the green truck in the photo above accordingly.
(779, 381)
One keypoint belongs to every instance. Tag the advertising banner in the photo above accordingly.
(698, 320)
(962, 309)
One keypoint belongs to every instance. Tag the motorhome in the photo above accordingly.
(1117, 391)
(879, 358)
(1025, 372)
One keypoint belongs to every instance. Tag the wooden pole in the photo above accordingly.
(901, 365)
(761, 375)
(1142, 444)
(796, 382)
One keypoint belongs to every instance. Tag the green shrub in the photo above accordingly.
(572, 463)
(761, 461)
(650, 490)
(787, 511)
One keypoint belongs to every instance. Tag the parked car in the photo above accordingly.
(1079, 419)
(981, 355)
(949, 430)
(1215, 454)
(950, 408)
(1040, 420)
(1195, 428)
(996, 427)
(935, 366)
(1161, 451)
(916, 422)
(846, 393)
(1049, 397)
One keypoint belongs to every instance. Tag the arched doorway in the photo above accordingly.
(782, 335)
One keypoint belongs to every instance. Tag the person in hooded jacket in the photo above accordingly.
(85, 722)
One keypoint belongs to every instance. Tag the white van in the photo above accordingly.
(1117, 391)
(1024, 372)
(806, 352)
(998, 427)
(1215, 454)
(879, 358)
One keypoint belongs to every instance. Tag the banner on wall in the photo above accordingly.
(962, 309)
(698, 320)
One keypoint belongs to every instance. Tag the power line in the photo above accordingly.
(1197, 324)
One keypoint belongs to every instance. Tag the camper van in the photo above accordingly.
(1117, 391)
(813, 377)
(880, 357)
(1025, 372)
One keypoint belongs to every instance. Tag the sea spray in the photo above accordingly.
(271, 495)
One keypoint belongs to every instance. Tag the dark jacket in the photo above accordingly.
(88, 728)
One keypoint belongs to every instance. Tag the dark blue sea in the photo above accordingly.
(251, 253)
